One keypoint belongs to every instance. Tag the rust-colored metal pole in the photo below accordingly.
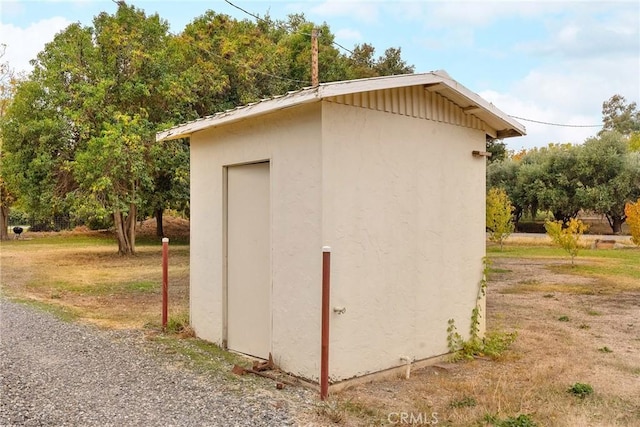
(324, 353)
(165, 282)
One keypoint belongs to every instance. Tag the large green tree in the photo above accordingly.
(620, 116)
(609, 176)
(505, 175)
(550, 179)
(7, 196)
(80, 132)
(91, 89)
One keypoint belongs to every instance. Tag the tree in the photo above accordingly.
(566, 237)
(498, 150)
(171, 181)
(36, 143)
(632, 210)
(7, 197)
(619, 116)
(609, 177)
(551, 179)
(498, 215)
(505, 174)
(391, 63)
(113, 173)
(634, 141)
(94, 88)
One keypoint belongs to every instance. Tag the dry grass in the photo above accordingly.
(82, 273)
(530, 295)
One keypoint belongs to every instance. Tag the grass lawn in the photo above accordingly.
(81, 276)
(577, 326)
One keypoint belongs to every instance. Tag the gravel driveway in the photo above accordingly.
(55, 373)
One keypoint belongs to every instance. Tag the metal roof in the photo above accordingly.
(436, 81)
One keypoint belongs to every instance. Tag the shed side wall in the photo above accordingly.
(404, 215)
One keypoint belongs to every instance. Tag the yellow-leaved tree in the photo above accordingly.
(632, 211)
(567, 237)
(499, 215)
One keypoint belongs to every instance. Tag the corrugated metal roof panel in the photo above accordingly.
(437, 81)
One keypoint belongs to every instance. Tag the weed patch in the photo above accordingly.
(580, 390)
(465, 402)
(521, 420)
(493, 345)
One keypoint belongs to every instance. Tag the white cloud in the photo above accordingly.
(12, 8)
(23, 44)
(569, 92)
(478, 13)
(348, 34)
(367, 12)
(604, 35)
(542, 134)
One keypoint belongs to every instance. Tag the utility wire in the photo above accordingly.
(245, 11)
(342, 47)
(285, 26)
(556, 124)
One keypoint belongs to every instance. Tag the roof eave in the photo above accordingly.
(250, 110)
(507, 126)
(437, 81)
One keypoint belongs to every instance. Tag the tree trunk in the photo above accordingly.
(615, 222)
(4, 222)
(159, 228)
(125, 231)
(131, 227)
(564, 217)
(517, 215)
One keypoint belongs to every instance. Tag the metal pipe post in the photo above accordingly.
(165, 282)
(324, 354)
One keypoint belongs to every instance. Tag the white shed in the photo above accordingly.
(389, 172)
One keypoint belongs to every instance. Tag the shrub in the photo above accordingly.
(498, 219)
(632, 211)
(566, 237)
(18, 217)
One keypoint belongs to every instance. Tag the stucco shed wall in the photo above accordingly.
(403, 210)
(290, 140)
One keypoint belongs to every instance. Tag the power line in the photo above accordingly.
(285, 26)
(556, 124)
(342, 47)
(245, 11)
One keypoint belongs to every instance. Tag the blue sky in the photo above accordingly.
(549, 61)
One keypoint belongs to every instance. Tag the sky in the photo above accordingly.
(538, 61)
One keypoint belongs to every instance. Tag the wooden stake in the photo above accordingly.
(314, 58)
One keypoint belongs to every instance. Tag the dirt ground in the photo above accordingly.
(570, 329)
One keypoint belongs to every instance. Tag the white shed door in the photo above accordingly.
(249, 260)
